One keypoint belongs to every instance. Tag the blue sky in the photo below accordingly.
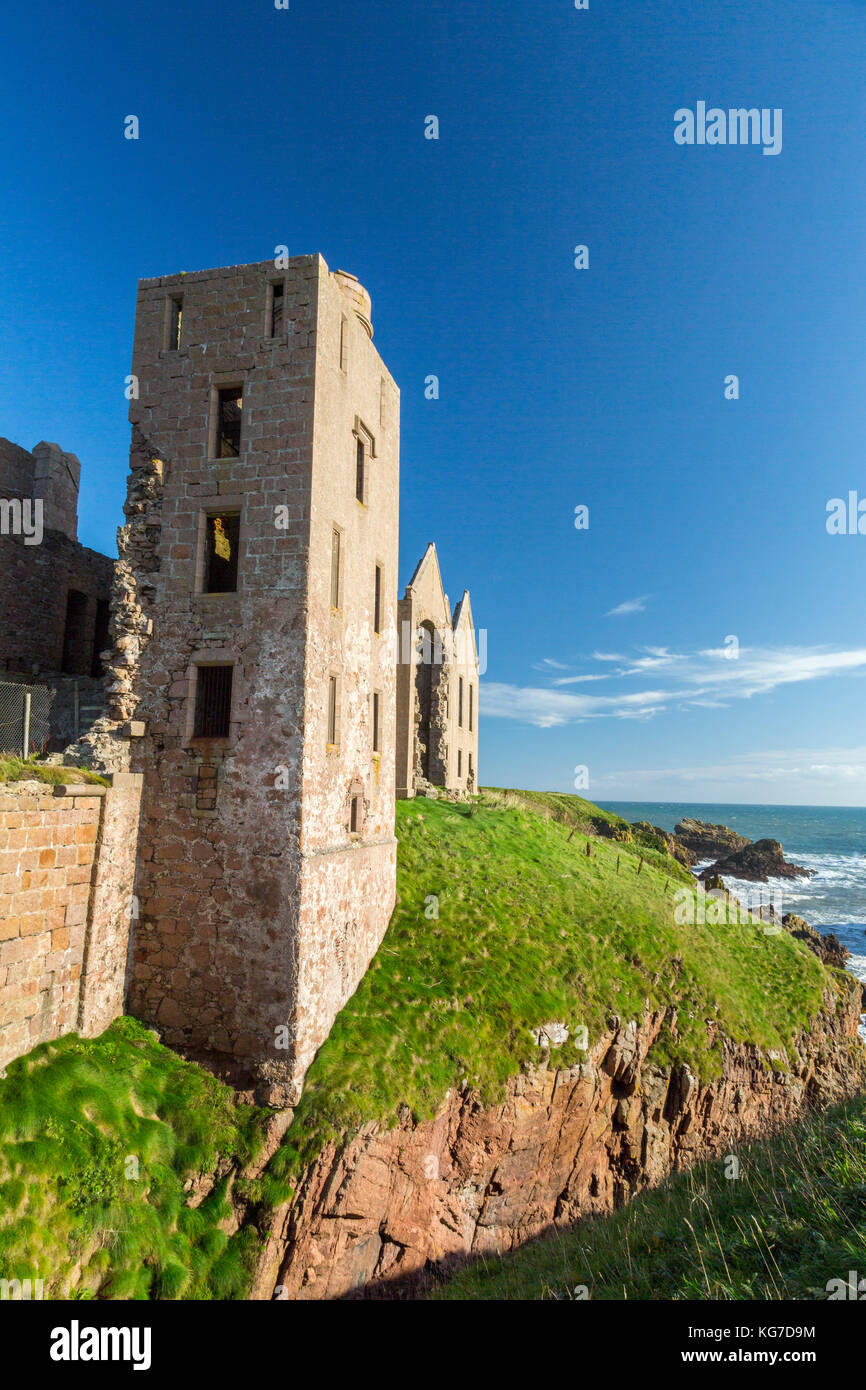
(559, 387)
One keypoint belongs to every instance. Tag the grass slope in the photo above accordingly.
(503, 923)
(530, 930)
(97, 1138)
(794, 1219)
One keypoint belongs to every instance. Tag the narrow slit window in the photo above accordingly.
(213, 702)
(174, 322)
(74, 633)
(460, 703)
(361, 470)
(230, 405)
(275, 324)
(332, 710)
(377, 602)
(459, 762)
(377, 726)
(355, 815)
(470, 766)
(100, 636)
(471, 706)
(336, 541)
(223, 535)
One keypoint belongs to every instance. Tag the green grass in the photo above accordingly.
(577, 812)
(530, 930)
(794, 1219)
(14, 769)
(503, 923)
(97, 1138)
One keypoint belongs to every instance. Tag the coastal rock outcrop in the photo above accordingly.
(661, 839)
(703, 840)
(377, 1214)
(828, 949)
(756, 862)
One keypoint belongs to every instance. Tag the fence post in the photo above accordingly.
(26, 738)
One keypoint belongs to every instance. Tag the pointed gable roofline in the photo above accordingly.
(427, 559)
(463, 619)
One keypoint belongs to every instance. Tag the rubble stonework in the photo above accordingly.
(437, 738)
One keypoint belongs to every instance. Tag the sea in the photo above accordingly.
(829, 839)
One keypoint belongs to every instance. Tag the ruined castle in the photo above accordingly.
(268, 695)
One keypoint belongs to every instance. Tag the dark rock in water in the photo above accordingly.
(828, 949)
(757, 863)
(702, 840)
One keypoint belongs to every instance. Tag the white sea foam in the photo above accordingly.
(833, 901)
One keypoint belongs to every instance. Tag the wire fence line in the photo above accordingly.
(53, 716)
(20, 725)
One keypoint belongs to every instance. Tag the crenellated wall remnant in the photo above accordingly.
(54, 592)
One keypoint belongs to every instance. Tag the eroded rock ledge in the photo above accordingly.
(378, 1214)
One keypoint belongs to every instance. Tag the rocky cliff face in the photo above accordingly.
(378, 1214)
(704, 840)
(828, 949)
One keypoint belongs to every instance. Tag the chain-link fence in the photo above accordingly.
(25, 725)
(55, 715)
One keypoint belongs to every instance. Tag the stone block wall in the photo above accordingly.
(254, 927)
(437, 730)
(216, 942)
(348, 877)
(67, 865)
(36, 579)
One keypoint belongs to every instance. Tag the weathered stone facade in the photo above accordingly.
(437, 687)
(267, 852)
(251, 686)
(54, 593)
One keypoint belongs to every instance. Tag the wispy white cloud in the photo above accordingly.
(579, 680)
(547, 663)
(809, 775)
(707, 678)
(547, 708)
(656, 659)
(630, 605)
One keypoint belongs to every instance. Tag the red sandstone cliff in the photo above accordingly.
(377, 1212)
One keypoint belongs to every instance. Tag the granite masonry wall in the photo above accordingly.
(42, 629)
(263, 892)
(67, 864)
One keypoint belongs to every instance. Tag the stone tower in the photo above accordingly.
(254, 614)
